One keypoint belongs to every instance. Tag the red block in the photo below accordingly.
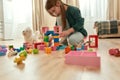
(114, 51)
(36, 44)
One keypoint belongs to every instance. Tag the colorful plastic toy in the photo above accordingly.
(3, 51)
(48, 50)
(35, 51)
(54, 48)
(12, 53)
(45, 29)
(57, 29)
(21, 58)
(83, 58)
(93, 41)
(114, 52)
(67, 49)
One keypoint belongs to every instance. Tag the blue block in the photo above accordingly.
(56, 39)
(78, 49)
(2, 53)
(49, 32)
(61, 47)
(82, 47)
(55, 34)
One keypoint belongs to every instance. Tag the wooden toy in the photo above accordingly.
(83, 58)
(41, 47)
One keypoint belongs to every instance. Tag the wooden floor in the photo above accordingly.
(52, 67)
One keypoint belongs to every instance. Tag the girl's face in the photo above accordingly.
(55, 10)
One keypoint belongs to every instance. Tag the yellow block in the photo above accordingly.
(56, 37)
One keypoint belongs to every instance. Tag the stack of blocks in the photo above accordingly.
(55, 35)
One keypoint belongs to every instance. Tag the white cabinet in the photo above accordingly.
(6, 19)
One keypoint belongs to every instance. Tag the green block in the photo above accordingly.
(21, 48)
(72, 48)
(35, 51)
(23, 53)
(11, 46)
(46, 39)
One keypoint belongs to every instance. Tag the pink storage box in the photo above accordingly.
(83, 58)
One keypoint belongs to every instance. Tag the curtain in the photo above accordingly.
(22, 17)
(113, 11)
(93, 9)
(72, 2)
(38, 14)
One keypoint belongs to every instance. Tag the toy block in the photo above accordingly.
(35, 51)
(72, 47)
(82, 58)
(56, 40)
(23, 53)
(49, 32)
(46, 44)
(85, 47)
(12, 53)
(41, 47)
(61, 47)
(54, 48)
(67, 49)
(93, 41)
(114, 52)
(48, 50)
(57, 29)
(11, 47)
(56, 44)
(45, 29)
(46, 38)
(78, 49)
(29, 51)
(3, 46)
(19, 60)
(27, 46)
(36, 44)
(56, 36)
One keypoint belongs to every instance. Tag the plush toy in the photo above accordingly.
(29, 36)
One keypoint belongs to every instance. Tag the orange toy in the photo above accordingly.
(48, 50)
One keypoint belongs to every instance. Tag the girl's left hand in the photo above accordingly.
(65, 33)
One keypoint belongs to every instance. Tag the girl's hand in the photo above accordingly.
(65, 33)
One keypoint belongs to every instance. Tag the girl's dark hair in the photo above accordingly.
(51, 3)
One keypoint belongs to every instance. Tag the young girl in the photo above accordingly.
(69, 18)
